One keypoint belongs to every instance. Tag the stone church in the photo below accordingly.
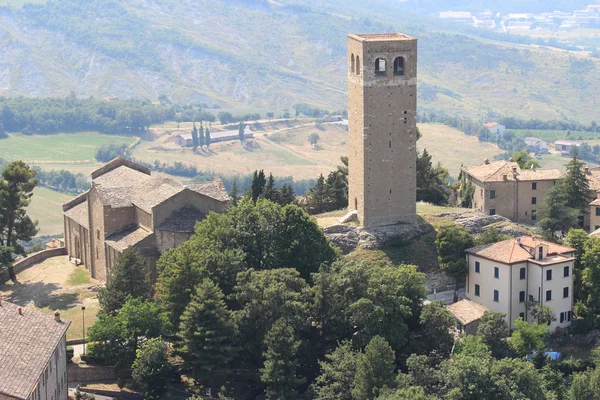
(382, 118)
(127, 206)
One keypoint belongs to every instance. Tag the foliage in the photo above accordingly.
(432, 182)
(556, 214)
(16, 188)
(152, 370)
(279, 371)
(129, 277)
(529, 337)
(374, 370)
(493, 331)
(206, 334)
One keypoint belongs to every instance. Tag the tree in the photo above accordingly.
(152, 370)
(258, 184)
(576, 184)
(234, 194)
(493, 331)
(556, 214)
(337, 374)
(129, 277)
(16, 189)
(451, 242)
(194, 137)
(374, 370)
(207, 139)
(432, 183)
(525, 160)
(241, 131)
(529, 337)
(313, 139)
(206, 335)
(279, 371)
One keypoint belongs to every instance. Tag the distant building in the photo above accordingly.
(503, 188)
(467, 314)
(535, 143)
(503, 276)
(33, 354)
(565, 145)
(128, 207)
(185, 140)
(495, 128)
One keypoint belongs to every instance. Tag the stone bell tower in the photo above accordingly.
(382, 111)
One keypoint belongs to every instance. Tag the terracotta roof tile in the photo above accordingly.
(26, 344)
(467, 311)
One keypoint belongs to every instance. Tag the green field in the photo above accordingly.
(64, 147)
(46, 207)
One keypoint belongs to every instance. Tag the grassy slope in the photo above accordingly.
(56, 148)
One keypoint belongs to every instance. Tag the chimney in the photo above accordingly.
(20, 311)
(57, 316)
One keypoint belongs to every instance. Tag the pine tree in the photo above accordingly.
(279, 371)
(206, 334)
(242, 131)
(258, 184)
(234, 194)
(201, 136)
(207, 137)
(576, 183)
(194, 137)
(128, 278)
(374, 370)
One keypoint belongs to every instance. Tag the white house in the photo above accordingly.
(33, 354)
(496, 128)
(503, 276)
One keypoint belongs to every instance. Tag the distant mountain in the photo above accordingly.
(274, 54)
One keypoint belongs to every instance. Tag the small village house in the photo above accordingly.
(504, 276)
(503, 188)
(127, 206)
(33, 354)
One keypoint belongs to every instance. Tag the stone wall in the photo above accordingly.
(33, 259)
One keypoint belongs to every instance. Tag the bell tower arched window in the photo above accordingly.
(352, 63)
(380, 66)
(399, 66)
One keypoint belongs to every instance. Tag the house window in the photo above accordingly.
(566, 292)
(548, 295)
(492, 194)
(477, 266)
(534, 215)
(492, 211)
(533, 185)
(549, 275)
(534, 200)
(496, 296)
(522, 296)
(522, 316)
(399, 66)
(496, 272)
(566, 271)
(380, 66)
(597, 211)
(522, 274)
(477, 290)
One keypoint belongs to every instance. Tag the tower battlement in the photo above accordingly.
(382, 111)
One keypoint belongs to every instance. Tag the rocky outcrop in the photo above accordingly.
(350, 238)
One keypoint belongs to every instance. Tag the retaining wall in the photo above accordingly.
(33, 259)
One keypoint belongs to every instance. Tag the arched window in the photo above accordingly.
(399, 66)
(352, 63)
(357, 65)
(380, 66)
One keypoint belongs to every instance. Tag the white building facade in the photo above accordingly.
(504, 276)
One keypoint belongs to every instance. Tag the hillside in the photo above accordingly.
(273, 55)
